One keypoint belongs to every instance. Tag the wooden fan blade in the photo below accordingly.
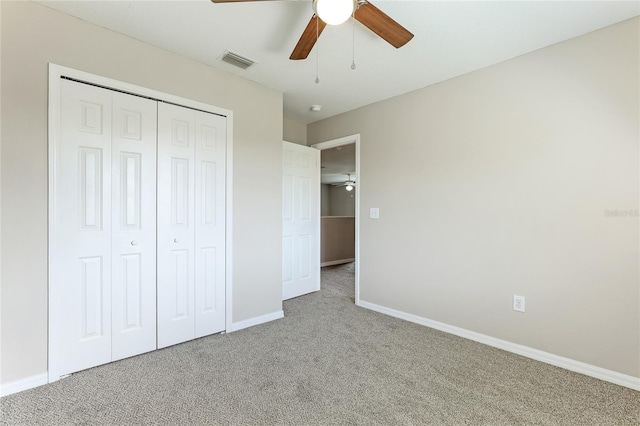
(308, 38)
(235, 1)
(381, 24)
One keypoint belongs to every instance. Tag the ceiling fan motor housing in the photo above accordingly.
(334, 12)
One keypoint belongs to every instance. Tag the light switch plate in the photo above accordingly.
(374, 213)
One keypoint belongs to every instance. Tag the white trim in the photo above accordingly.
(23, 384)
(229, 227)
(257, 320)
(337, 262)
(56, 72)
(346, 140)
(319, 218)
(54, 125)
(546, 357)
(334, 143)
(59, 71)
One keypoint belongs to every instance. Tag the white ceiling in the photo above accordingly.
(451, 38)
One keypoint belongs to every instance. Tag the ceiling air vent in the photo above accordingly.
(236, 60)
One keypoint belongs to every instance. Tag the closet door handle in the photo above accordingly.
(134, 243)
(175, 240)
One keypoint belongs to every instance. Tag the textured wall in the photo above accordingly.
(511, 176)
(294, 132)
(325, 200)
(338, 237)
(33, 36)
(342, 202)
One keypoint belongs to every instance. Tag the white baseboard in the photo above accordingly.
(337, 262)
(256, 321)
(23, 384)
(43, 379)
(546, 357)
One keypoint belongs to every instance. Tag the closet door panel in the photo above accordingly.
(211, 134)
(133, 168)
(80, 259)
(176, 224)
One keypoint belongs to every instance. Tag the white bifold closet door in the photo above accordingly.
(191, 224)
(133, 237)
(102, 259)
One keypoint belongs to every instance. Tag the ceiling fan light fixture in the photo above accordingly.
(334, 12)
(349, 188)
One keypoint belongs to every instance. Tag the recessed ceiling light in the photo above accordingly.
(315, 108)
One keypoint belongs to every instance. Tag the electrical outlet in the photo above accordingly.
(518, 303)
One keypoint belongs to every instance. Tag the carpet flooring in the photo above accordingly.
(327, 362)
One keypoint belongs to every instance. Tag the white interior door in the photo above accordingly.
(133, 190)
(176, 224)
(210, 225)
(103, 299)
(80, 262)
(300, 220)
(137, 240)
(191, 224)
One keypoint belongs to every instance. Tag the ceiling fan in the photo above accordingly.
(363, 11)
(350, 184)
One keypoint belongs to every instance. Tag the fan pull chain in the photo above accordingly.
(317, 51)
(353, 28)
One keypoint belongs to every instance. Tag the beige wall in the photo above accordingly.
(325, 200)
(337, 201)
(342, 202)
(338, 238)
(0, 200)
(509, 172)
(32, 36)
(294, 131)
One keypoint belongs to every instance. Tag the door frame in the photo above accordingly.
(56, 73)
(333, 143)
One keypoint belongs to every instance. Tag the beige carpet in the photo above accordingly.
(327, 362)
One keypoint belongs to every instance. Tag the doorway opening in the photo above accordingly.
(340, 204)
